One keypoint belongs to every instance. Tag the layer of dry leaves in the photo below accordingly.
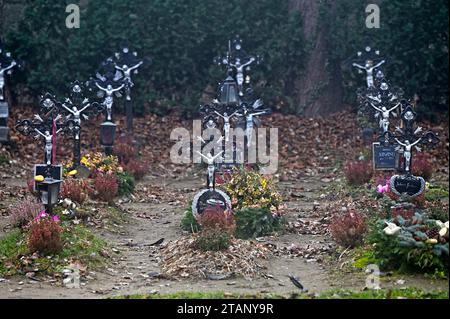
(179, 259)
(305, 145)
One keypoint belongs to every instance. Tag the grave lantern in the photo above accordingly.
(49, 190)
(229, 92)
(107, 136)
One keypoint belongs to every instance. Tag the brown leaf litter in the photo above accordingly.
(181, 260)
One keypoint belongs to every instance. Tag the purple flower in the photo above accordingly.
(56, 219)
(381, 189)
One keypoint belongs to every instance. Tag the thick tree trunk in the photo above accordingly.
(319, 89)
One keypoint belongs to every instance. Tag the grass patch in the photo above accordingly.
(3, 160)
(409, 293)
(436, 193)
(80, 245)
(189, 223)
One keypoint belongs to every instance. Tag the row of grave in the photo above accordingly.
(393, 147)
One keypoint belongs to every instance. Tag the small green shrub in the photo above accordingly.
(126, 183)
(3, 160)
(416, 245)
(256, 222)
(189, 223)
(213, 240)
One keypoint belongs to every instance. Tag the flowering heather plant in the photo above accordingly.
(44, 235)
(25, 211)
(422, 166)
(125, 150)
(30, 187)
(358, 173)
(404, 210)
(77, 190)
(106, 187)
(348, 229)
(215, 218)
(136, 168)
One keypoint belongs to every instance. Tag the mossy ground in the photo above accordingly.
(80, 245)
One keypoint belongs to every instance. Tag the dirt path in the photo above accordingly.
(150, 219)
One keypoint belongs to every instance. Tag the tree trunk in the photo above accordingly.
(319, 88)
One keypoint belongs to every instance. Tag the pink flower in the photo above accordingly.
(41, 215)
(56, 219)
(381, 189)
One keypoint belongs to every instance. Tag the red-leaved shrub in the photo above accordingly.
(44, 236)
(358, 172)
(422, 166)
(348, 229)
(77, 190)
(216, 219)
(30, 187)
(106, 187)
(25, 211)
(136, 168)
(125, 150)
(406, 212)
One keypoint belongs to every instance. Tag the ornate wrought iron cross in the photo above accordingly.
(46, 125)
(238, 62)
(77, 107)
(128, 62)
(409, 137)
(368, 61)
(108, 82)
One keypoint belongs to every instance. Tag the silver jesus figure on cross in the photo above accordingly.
(226, 123)
(2, 77)
(369, 67)
(48, 144)
(109, 99)
(407, 147)
(210, 160)
(76, 113)
(385, 115)
(240, 72)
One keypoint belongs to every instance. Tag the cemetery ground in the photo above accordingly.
(117, 246)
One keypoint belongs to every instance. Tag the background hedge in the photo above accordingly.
(183, 37)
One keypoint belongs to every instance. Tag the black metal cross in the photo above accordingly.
(128, 62)
(77, 107)
(46, 125)
(409, 137)
(369, 62)
(238, 62)
(108, 83)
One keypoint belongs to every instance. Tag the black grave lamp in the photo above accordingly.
(107, 136)
(49, 190)
(229, 92)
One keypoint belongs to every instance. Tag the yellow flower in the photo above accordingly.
(72, 173)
